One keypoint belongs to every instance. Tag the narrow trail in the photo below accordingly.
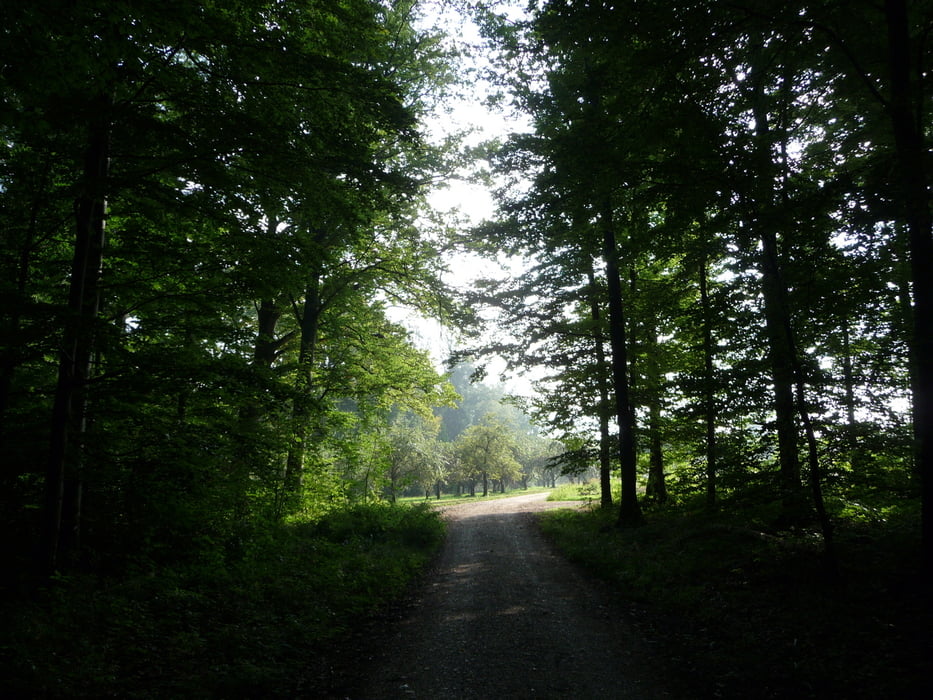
(502, 616)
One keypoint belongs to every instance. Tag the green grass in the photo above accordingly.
(576, 492)
(740, 611)
(448, 498)
(241, 628)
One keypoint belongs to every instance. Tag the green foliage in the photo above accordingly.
(241, 625)
(486, 451)
(263, 207)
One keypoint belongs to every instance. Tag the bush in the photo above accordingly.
(231, 626)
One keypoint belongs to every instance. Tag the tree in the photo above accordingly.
(698, 147)
(487, 449)
(248, 159)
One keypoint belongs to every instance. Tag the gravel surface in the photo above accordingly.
(500, 616)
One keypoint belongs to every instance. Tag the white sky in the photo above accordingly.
(467, 202)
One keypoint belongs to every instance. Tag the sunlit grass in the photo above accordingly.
(448, 498)
(588, 491)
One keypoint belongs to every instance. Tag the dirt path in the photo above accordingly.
(502, 616)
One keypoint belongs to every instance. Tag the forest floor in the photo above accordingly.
(500, 614)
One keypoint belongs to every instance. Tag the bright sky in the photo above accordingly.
(468, 202)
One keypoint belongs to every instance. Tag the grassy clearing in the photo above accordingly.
(244, 627)
(448, 498)
(741, 612)
(588, 492)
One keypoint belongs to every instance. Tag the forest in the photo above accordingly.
(211, 213)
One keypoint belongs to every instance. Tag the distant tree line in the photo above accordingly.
(481, 444)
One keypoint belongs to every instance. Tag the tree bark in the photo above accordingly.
(63, 478)
(11, 357)
(302, 405)
(709, 386)
(816, 478)
(630, 511)
(776, 310)
(605, 439)
(906, 114)
(781, 353)
(656, 487)
(848, 379)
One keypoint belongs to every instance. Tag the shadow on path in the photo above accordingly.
(502, 616)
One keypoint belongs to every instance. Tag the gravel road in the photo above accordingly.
(502, 616)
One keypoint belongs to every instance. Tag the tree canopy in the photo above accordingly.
(207, 209)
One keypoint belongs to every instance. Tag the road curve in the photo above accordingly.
(503, 616)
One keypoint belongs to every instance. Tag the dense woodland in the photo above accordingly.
(209, 209)
(725, 210)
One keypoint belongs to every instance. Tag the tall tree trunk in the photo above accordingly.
(782, 368)
(252, 415)
(63, 479)
(906, 114)
(848, 377)
(656, 487)
(11, 356)
(905, 306)
(630, 511)
(777, 311)
(816, 478)
(605, 439)
(848, 381)
(303, 401)
(709, 385)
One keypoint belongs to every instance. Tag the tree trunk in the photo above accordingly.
(63, 480)
(816, 480)
(848, 381)
(781, 354)
(303, 401)
(709, 386)
(11, 357)
(602, 378)
(252, 413)
(905, 111)
(656, 488)
(630, 511)
(848, 376)
(776, 309)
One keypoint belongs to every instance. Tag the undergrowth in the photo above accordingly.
(742, 611)
(241, 626)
